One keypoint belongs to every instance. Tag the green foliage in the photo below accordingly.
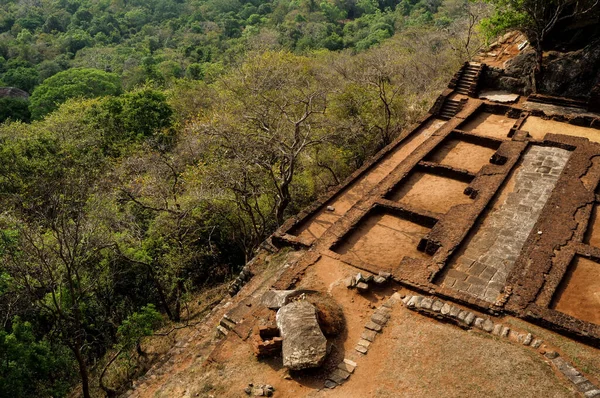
(30, 367)
(72, 83)
(139, 324)
(16, 109)
(136, 199)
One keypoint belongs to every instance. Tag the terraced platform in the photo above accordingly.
(486, 203)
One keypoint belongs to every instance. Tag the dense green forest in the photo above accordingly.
(164, 140)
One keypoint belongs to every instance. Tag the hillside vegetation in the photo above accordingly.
(168, 139)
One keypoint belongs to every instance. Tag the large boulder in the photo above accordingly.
(304, 345)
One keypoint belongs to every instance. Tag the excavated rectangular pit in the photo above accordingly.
(538, 128)
(461, 153)
(592, 235)
(431, 192)
(313, 227)
(383, 239)
(488, 125)
(579, 292)
(484, 261)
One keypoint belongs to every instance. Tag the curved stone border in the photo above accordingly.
(438, 309)
(372, 328)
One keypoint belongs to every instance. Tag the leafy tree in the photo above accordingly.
(14, 109)
(137, 325)
(32, 367)
(22, 77)
(72, 83)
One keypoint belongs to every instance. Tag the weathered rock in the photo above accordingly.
(469, 318)
(348, 365)
(373, 326)
(275, 299)
(445, 309)
(379, 280)
(379, 319)
(362, 286)
(368, 335)
(304, 345)
(488, 326)
(437, 306)
(350, 282)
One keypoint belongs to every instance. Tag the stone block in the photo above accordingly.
(445, 310)
(426, 303)
(368, 335)
(362, 286)
(469, 319)
(528, 339)
(461, 315)
(488, 326)
(379, 319)
(497, 330)
(458, 275)
(479, 322)
(379, 280)
(330, 384)
(364, 343)
(537, 343)
(415, 301)
(361, 349)
(592, 394)
(585, 386)
(373, 326)
(437, 306)
(347, 367)
(339, 376)
(454, 311)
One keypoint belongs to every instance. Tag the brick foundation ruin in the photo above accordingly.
(491, 205)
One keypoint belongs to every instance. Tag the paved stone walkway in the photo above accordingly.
(483, 267)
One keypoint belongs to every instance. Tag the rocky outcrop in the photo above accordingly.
(304, 345)
(571, 74)
(13, 92)
(564, 74)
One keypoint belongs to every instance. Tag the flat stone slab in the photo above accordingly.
(304, 345)
(503, 97)
(275, 299)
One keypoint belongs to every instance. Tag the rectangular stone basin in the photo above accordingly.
(488, 125)
(579, 292)
(430, 192)
(383, 239)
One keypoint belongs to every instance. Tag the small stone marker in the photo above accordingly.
(379, 319)
(362, 286)
(361, 349)
(364, 343)
(368, 335)
(330, 208)
(445, 309)
(488, 325)
(373, 326)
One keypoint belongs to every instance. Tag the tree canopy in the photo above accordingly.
(72, 83)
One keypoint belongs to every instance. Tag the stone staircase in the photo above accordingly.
(450, 109)
(469, 78)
